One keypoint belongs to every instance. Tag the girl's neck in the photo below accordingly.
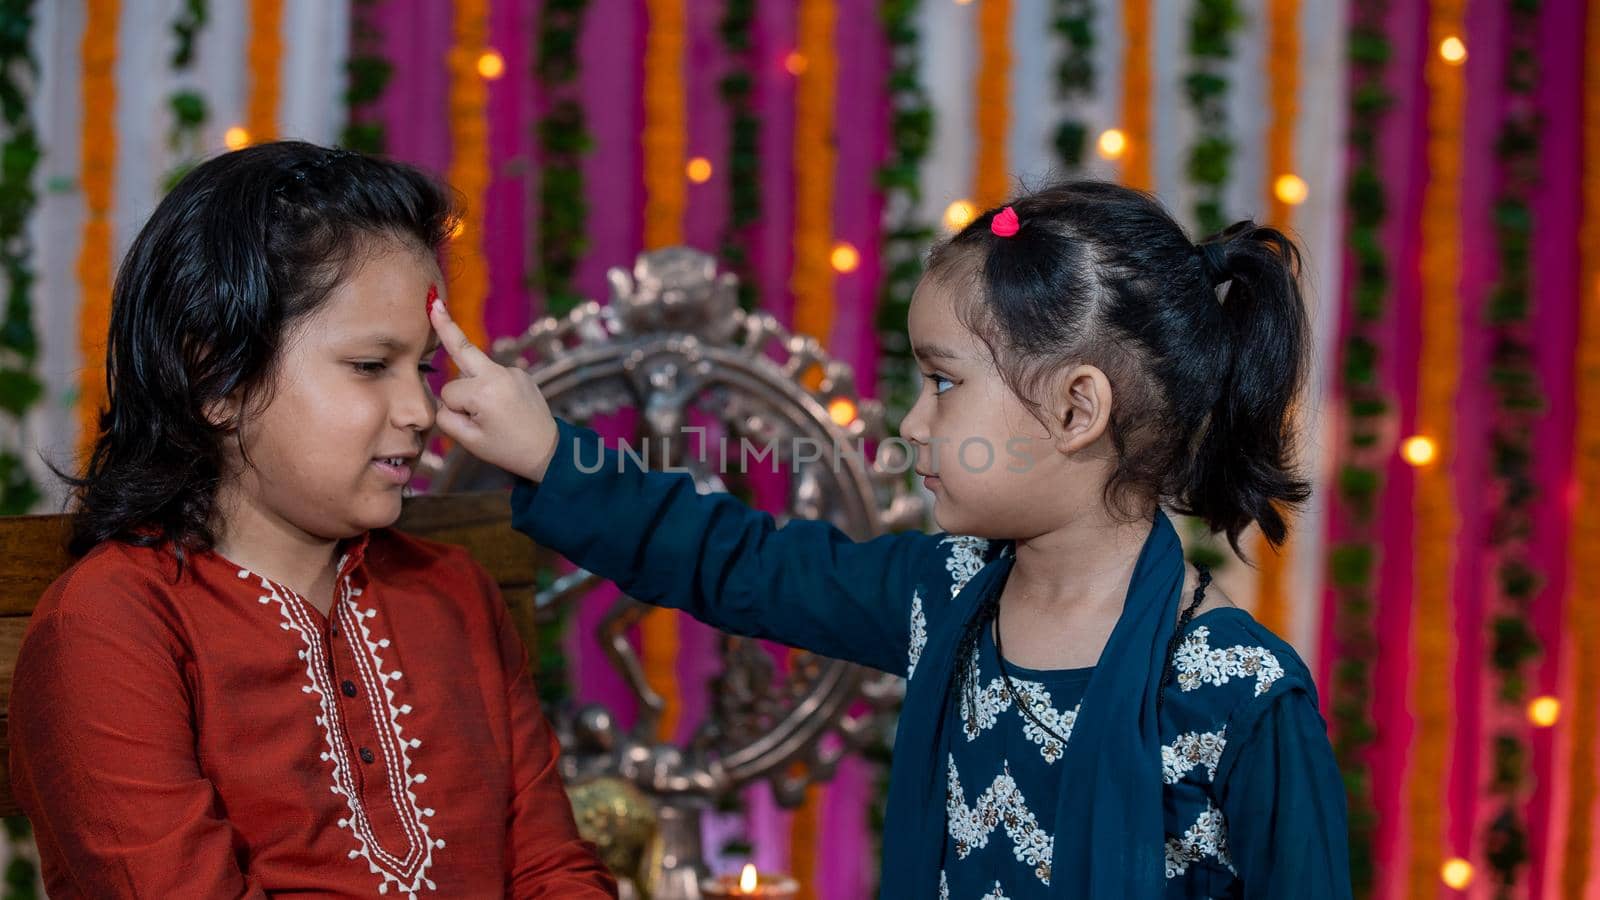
(1085, 563)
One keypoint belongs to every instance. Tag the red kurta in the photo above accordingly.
(220, 737)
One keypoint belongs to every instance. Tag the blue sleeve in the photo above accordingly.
(1284, 803)
(807, 584)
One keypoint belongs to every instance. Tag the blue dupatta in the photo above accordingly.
(1109, 841)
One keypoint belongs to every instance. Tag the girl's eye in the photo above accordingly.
(427, 368)
(940, 383)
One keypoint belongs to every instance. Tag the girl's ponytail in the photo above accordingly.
(1242, 469)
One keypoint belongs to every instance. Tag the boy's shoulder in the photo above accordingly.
(441, 569)
(120, 592)
(111, 572)
(404, 558)
(396, 550)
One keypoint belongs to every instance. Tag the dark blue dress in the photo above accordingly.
(1005, 772)
(1238, 761)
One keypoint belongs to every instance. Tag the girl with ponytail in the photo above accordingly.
(1083, 718)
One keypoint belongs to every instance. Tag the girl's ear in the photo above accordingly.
(1083, 408)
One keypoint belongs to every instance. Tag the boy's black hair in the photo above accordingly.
(243, 247)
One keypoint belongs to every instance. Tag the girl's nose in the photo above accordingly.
(914, 427)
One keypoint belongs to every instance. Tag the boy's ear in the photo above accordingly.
(1082, 408)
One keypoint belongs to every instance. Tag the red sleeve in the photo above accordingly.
(103, 763)
(546, 857)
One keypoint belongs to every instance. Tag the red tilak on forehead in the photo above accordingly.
(433, 297)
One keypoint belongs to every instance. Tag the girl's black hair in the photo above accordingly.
(243, 247)
(1204, 345)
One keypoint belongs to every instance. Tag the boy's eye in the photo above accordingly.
(377, 367)
(940, 383)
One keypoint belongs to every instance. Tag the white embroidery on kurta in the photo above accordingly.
(944, 886)
(1187, 751)
(981, 709)
(1001, 805)
(408, 873)
(965, 560)
(1208, 836)
(919, 633)
(1198, 664)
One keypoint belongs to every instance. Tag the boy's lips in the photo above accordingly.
(397, 468)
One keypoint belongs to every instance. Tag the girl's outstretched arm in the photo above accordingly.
(807, 584)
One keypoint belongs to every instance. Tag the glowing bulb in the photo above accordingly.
(845, 257)
(958, 214)
(236, 138)
(1291, 189)
(842, 411)
(795, 63)
(699, 170)
(1113, 143)
(1419, 450)
(963, 2)
(1544, 711)
(747, 879)
(1453, 50)
(1456, 873)
(491, 64)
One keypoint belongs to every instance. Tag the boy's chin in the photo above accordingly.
(377, 512)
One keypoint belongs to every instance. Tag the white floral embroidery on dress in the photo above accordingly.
(1198, 664)
(944, 886)
(1208, 836)
(407, 873)
(980, 711)
(1002, 804)
(965, 560)
(997, 894)
(919, 633)
(1197, 748)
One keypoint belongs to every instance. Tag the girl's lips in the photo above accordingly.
(400, 474)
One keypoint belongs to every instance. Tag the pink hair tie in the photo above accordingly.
(1005, 223)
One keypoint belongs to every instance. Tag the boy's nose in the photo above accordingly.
(414, 410)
